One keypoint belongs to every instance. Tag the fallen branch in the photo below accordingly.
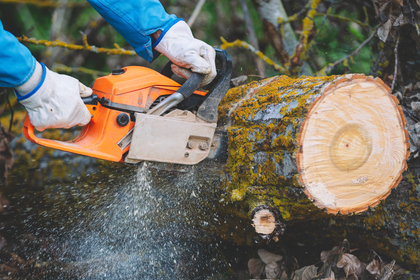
(396, 64)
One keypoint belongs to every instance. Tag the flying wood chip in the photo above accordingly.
(352, 145)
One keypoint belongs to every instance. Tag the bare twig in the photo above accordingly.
(396, 64)
(252, 37)
(413, 18)
(245, 45)
(91, 32)
(389, 272)
(58, 43)
(195, 13)
(344, 19)
(305, 37)
(58, 67)
(327, 13)
(331, 66)
(296, 17)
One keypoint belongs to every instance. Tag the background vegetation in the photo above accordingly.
(335, 38)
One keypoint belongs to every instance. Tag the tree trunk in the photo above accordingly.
(267, 132)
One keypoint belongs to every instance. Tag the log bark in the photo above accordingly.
(338, 133)
(253, 165)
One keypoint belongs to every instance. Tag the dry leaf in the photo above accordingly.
(398, 270)
(325, 255)
(351, 265)
(384, 30)
(256, 267)
(306, 273)
(415, 105)
(271, 270)
(268, 257)
(374, 268)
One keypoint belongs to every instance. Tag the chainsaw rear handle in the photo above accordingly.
(83, 144)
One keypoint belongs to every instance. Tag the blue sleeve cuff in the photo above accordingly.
(44, 74)
(164, 31)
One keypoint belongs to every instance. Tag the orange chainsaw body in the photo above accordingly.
(135, 87)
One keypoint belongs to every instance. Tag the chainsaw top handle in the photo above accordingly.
(188, 88)
(193, 82)
(217, 89)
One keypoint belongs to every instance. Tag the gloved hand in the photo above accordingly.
(187, 53)
(53, 100)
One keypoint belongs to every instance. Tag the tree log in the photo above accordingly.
(344, 135)
(254, 165)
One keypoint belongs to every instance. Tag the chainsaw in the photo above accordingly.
(139, 114)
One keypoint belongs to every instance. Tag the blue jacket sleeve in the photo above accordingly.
(136, 20)
(17, 64)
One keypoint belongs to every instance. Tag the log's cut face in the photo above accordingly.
(264, 222)
(352, 145)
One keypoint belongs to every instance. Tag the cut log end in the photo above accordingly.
(264, 222)
(353, 145)
(267, 222)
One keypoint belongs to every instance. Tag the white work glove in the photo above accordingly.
(53, 100)
(187, 53)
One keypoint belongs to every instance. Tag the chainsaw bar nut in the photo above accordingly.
(203, 146)
(190, 144)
